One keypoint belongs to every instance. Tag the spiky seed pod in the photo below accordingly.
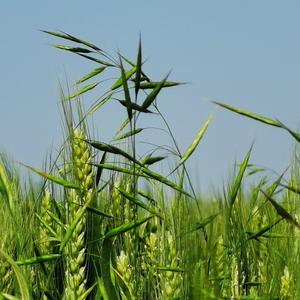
(44, 242)
(171, 286)
(286, 289)
(75, 251)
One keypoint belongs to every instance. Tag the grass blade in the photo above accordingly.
(112, 149)
(152, 96)
(129, 134)
(72, 49)
(91, 75)
(126, 91)
(95, 107)
(139, 203)
(60, 181)
(99, 169)
(119, 82)
(125, 227)
(281, 211)
(83, 90)
(72, 38)
(150, 160)
(196, 141)
(238, 179)
(154, 84)
(24, 288)
(135, 106)
(250, 115)
(138, 69)
(38, 259)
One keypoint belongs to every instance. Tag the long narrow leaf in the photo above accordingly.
(72, 49)
(154, 84)
(196, 141)
(126, 91)
(250, 115)
(95, 107)
(128, 134)
(126, 227)
(60, 181)
(138, 69)
(134, 106)
(38, 259)
(83, 90)
(72, 38)
(91, 75)
(152, 96)
(24, 287)
(238, 179)
(119, 82)
(139, 203)
(281, 211)
(112, 149)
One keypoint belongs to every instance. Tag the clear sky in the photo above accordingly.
(243, 53)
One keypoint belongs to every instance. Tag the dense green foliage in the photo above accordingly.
(104, 224)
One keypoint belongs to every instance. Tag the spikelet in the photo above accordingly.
(171, 286)
(75, 251)
(286, 289)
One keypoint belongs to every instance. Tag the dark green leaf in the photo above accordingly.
(281, 211)
(154, 84)
(135, 106)
(125, 227)
(138, 69)
(150, 160)
(126, 91)
(112, 149)
(152, 96)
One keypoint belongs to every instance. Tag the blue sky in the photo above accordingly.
(243, 53)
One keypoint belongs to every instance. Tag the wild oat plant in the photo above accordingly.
(104, 224)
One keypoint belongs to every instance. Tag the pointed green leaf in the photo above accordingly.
(119, 82)
(37, 259)
(99, 169)
(134, 106)
(138, 68)
(154, 84)
(98, 212)
(122, 126)
(99, 61)
(91, 74)
(196, 141)
(150, 160)
(60, 181)
(204, 222)
(108, 285)
(126, 91)
(83, 90)
(281, 211)
(72, 49)
(139, 203)
(294, 189)
(72, 38)
(250, 115)
(95, 107)
(125, 227)
(164, 180)
(152, 96)
(112, 149)
(238, 180)
(23, 286)
(262, 231)
(128, 134)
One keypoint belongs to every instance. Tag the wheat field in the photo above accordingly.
(103, 223)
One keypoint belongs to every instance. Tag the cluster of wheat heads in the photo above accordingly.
(105, 224)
